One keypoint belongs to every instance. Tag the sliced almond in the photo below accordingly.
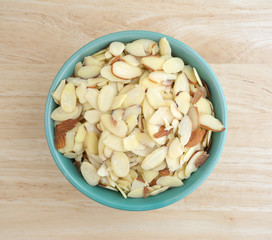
(155, 98)
(148, 110)
(115, 143)
(66, 125)
(91, 61)
(77, 67)
(60, 115)
(158, 191)
(175, 112)
(81, 133)
(81, 92)
(137, 193)
(92, 116)
(183, 102)
(116, 48)
(184, 130)
(153, 63)
(186, 157)
(201, 159)
(154, 159)
(154, 129)
(69, 141)
(78, 147)
(103, 171)
(210, 123)
(133, 110)
(120, 164)
(107, 73)
(59, 139)
(134, 97)
(145, 139)
(191, 167)
(107, 152)
(155, 49)
(131, 122)
(135, 49)
(105, 98)
(130, 142)
(96, 82)
(161, 115)
(125, 71)
(173, 65)
(197, 95)
(91, 97)
(120, 129)
(90, 143)
(196, 137)
(101, 145)
(203, 106)
(168, 181)
(68, 98)
(181, 84)
(175, 149)
(188, 70)
(197, 77)
(150, 175)
(89, 71)
(131, 60)
(57, 93)
(118, 114)
(164, 47)
(172, 163)
(193, 114)
(147, 45)
(118, 101)
(89, 173)
(147, 83)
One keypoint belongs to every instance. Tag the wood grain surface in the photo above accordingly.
(37, 202)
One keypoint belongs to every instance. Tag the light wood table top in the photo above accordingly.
(37, 37)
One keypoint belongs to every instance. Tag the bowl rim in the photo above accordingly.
(104, 201)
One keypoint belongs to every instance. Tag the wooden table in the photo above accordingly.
(37, 202)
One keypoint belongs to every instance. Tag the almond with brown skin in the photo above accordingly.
(59, 139)
(66, 125)
(201, 159)
(196, 137)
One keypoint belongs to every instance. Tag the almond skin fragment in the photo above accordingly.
(164, 172)
(196, 137)
(162, 132)
(146, 191)
(201, 159)
(197, 95)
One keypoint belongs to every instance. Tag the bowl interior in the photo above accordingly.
(114, 199)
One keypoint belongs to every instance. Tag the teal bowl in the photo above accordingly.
(115, 199)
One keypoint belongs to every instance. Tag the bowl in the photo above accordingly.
(115, 199)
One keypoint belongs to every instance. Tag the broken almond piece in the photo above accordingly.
(146, 192)
(136, 49)
(210, 123)
(196, 137)
(120, 129)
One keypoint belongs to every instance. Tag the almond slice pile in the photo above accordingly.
(134, 118)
